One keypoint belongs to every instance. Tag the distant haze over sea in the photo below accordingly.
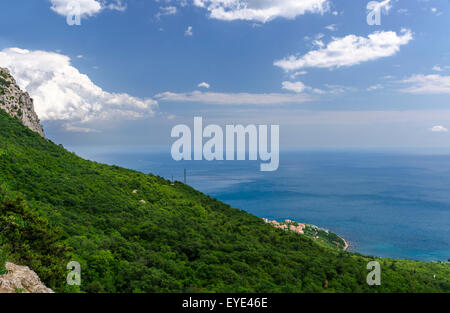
(387, 204)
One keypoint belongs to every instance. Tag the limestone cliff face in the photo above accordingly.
(17, 103)
(20, 279)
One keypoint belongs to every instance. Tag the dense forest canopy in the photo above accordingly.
(56, 207)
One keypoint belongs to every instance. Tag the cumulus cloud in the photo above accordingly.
(439, 129)
(261, 10)
(349, 50)
(204, 85)
(85, 8)
(427, 84)
(234, 98)
(297, 87)
(61, 92)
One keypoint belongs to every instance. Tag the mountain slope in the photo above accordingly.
(64, 208)
(17, 102)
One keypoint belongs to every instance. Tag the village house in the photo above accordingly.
(298, 229)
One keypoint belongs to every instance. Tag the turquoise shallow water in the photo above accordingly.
(386, 204)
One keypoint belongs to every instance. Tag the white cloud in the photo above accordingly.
(427, 84)
(294, 75)
(318, 43)
(261, 10)
(437, 68)
(338, 89)
(204, 85)
(436, 11)
(332, 27)
(383, 6)
(188, 31)
(375, 87)
(114, 5)
(234, 98)
(300, 87)
(85, 8)
(439, 129)
(297, 87)
(170, 10)
(77, 129)
(61, 92)
(349, 50)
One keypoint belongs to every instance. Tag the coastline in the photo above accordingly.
(302, 229)
(347, 244)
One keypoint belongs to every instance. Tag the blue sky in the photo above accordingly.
(133, 69)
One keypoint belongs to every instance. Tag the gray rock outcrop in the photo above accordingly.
(18, 103)
(20, 279)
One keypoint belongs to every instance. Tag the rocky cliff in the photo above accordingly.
(18, 103)
(20, 279)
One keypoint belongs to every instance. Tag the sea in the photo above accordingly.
(392, 204)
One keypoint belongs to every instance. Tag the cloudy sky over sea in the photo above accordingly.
(133, 69)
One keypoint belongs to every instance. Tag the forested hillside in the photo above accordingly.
(134, 232)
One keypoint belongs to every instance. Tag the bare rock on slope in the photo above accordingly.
(20, 279)
(18, 103)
